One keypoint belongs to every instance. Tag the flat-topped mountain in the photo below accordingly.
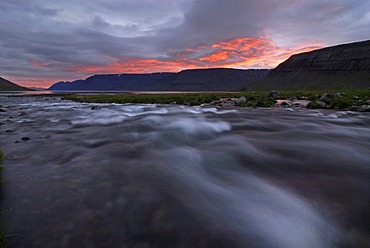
(339, 67)
(6, 85)
(218, 79)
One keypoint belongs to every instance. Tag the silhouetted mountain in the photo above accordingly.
(6, 85)
(220, 79)
(339, 67)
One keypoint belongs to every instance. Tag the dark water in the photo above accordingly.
(173, 176)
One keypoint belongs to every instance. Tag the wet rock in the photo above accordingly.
(356, 98)
(321, 104)
(363, 108)
(95, 108)
(316, 105)
(25, 138)
(284, 104)
(239, 100)
(222, 102)
(331, 95)
(2, 110)
(274, 94)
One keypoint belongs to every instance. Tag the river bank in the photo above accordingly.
(344, 100)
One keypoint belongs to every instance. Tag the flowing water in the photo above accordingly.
(171, 176)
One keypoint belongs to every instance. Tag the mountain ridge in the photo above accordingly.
(213, 79)
(6, 85)
(344, 66)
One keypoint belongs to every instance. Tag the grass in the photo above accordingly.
(348, 100)
(186, 98)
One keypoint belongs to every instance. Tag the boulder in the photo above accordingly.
(331, 95)
(239, 101)
(363, 108)
(274, 94)
(321, 103)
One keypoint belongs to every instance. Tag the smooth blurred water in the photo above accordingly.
(175, 176)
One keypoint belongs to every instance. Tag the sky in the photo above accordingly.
(45, 41)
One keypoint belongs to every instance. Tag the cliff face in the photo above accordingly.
(340, 67)
(187, 80)
(6, 85)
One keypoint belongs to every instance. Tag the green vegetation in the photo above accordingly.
(186, 99)
(343, 100)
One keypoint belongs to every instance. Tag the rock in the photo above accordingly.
(363, 108)
(316, 105)
(240, 100)
(2, 110)
(95, 108)
(25, 138)
(284, 104)
(236, 101)
(274, 94)
(321, 104)
(331, 95)
(356, 98)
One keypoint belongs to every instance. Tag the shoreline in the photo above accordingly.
(347, 100)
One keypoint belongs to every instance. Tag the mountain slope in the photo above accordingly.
(220, 79)
(339, 67)
(6, 85)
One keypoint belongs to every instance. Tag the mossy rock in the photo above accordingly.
(313, 105)
(341, 103)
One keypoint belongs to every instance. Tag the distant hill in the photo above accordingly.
(219, 79)
(339, 67)
(6, 85)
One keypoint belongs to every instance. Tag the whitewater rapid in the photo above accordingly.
(137, 175)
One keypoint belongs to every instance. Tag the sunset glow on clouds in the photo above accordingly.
(48, 41)
(234, 53)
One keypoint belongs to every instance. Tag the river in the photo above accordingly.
(170, 176)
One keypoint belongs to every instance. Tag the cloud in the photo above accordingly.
(47, 41)
(242, 52)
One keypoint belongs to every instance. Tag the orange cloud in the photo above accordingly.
(215, 57)
(241, 52)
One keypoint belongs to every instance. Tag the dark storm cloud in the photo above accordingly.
(42, 40)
